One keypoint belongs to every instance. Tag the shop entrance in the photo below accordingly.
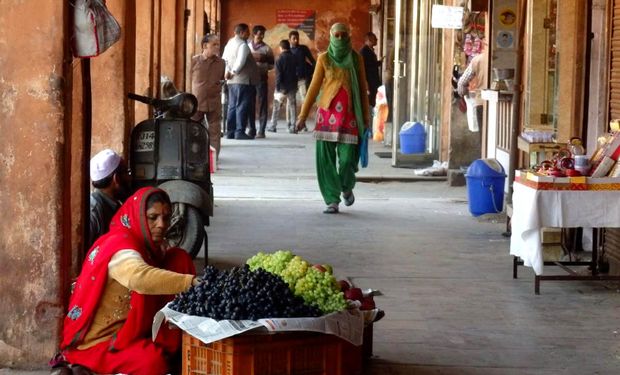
(417, 78)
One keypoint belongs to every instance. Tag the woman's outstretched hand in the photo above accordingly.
(300, 124)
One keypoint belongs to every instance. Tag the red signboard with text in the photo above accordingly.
(300, 19)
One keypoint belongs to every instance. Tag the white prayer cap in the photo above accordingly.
(103, 164)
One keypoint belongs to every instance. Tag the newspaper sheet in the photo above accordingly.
(348, 325)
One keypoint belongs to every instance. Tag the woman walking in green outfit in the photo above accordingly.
(339, 81)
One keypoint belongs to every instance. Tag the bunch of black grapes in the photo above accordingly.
(241, 294)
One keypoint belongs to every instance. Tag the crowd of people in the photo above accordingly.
(248, 60)
(129, 271)
(244, 66)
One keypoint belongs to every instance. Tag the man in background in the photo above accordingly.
(263, 55)
(207, 72)
(286, 88)
(112, 182)
(470, 86)
(372, 66)
(304, 62)
(240, 71)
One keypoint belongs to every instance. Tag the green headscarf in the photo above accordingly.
(341, 54)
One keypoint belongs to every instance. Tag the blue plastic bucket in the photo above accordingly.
(412, 138)
(485, 187)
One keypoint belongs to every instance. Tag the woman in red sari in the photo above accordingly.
(127, 276)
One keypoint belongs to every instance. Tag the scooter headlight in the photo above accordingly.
(182, 105)
(188, 105)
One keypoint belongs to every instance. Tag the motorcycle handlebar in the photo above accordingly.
(181, 105)
(144, 99)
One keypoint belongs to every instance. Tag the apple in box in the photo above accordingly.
(323, 268)
(368, 303)
(354, 294)
(319, 267)
(344, 285)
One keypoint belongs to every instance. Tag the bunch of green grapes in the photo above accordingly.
(320, 289)
(295, 270)
(274, 263)
(317, 287)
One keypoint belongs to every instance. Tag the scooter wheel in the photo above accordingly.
(190, 234)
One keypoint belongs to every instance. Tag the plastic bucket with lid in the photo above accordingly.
(485, 187)
(412, 138)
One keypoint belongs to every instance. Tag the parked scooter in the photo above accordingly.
(171, 151)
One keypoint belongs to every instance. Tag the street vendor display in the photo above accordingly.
(572, 161)
(556, 194)
(279, 293)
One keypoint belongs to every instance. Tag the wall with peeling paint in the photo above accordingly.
(352, 12)
(110, 129)
(31, 179)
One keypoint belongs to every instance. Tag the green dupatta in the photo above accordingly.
(342, 55)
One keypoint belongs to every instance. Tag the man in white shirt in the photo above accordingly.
(241, 72)
(263, 55)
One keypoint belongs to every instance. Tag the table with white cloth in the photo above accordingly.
(534, 209)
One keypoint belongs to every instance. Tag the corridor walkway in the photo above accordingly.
(451, 304)
(452, 307)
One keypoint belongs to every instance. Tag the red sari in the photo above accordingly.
(130, 350)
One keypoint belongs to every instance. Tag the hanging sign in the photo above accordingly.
(302, 20)
(447, 17)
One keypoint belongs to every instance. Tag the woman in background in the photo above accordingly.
(342, 117)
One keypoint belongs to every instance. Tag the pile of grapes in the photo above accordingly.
(241, 294)
(315, 284)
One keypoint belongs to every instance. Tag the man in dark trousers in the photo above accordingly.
(263, 55)
(304, 62)
(372, 66)
(286, 87)
(240, 71)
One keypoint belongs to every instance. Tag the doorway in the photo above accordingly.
(417, 78)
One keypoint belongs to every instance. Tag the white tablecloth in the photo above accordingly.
(534, 209)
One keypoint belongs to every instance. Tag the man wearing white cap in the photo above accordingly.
(110, 177)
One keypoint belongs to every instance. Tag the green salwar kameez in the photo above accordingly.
(335, 177)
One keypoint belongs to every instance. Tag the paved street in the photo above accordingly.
(451, 304)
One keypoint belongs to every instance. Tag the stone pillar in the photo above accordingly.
(110, 128)
(571, 62)
(34, 251)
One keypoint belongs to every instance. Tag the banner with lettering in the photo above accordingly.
(302, 20)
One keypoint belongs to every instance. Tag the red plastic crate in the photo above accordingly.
(282, 353)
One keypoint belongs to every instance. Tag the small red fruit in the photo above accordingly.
(319, 267)
(368, 303)
(344, 285)
(354, 294)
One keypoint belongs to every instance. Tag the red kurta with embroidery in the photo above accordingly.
(337, 123)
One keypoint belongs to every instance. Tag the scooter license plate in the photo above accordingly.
(146, 142)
